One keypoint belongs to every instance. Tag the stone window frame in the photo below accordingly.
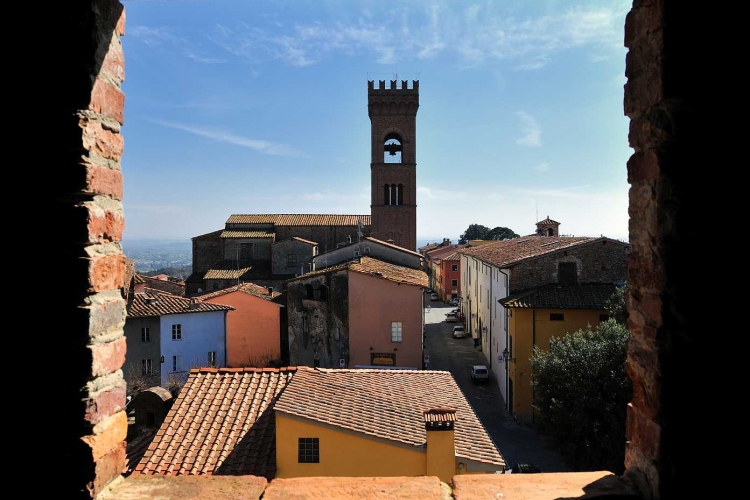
(397, 331)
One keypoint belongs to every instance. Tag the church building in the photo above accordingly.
(268, 249)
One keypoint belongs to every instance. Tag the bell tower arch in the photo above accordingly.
(393, 165)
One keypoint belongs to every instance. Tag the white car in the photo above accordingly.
(451, 317)
(459, 332)
(479, 373)
(433, 296)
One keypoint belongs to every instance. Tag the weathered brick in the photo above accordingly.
(643, 92)
(113, 66)
(107, 435)
(101, 140)
(642, 21)
(103, 181)
(107, 272)
(106, 403)
(643, 432)
(107, 100)
(104, 317)
(109, 467)
(643, 167)
(106, 225)
(108, 357)
(120, 28)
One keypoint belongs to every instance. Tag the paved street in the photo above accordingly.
(516, 443)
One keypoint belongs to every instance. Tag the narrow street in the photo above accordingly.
(516, 443)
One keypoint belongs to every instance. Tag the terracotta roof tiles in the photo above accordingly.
(387, 404)
(377, 268)
(222, 423)
(248, 288)
(300, 219)
(509, 252)
(391, 245)
(247, 234)
(159, 304)
(556, 296)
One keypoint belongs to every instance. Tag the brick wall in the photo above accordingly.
(599, 262)
(87, 182)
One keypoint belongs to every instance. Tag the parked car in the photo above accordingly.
(454, 301)
(433, 296)
(479, 373)
(459, 332)
(430, 290)
(524, 468)
(451, 317)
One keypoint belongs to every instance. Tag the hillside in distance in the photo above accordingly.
(153, 254)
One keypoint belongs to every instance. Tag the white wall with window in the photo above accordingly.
(482, 286)
(200, 333)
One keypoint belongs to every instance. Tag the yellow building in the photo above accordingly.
(534, 317)
(302, 422)
(379, 423)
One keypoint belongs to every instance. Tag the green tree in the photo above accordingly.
(616, 304)
(474, 232)
(501, 233)
(581, 391)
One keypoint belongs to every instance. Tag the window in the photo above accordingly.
(454, 282)
(454, 267)
(145, 334)
(305, 323)
(176, 363)
(396, 331)
(211, 358)
(309, 293)
(176, 332)
(291, 260)
(556, 317)
(147, 367)
(603, 317)
(309, 451)
(323, 292)
(566, 273)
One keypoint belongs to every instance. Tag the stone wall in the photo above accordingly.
(205, 254)
(327, 237)
(602, 261)
(280, 252)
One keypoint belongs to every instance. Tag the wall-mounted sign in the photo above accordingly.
(383, 358)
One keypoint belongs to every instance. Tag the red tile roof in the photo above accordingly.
(226, 274)
(300, 219)
(247, 234)
(548, 221)
(453, 256)
(159, 304)
(222, 423)
(377, 268)
(391, 245)
(248, 288)
(303, 240)
(509, 252)
(387, 404)
(556, 296)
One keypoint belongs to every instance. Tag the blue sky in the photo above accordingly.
(240, 106)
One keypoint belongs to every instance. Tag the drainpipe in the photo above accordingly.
(507, 336)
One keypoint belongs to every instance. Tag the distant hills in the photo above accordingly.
(175, 256)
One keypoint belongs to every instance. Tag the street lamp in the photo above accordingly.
(506, 355)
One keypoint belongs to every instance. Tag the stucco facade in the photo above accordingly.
(374, 306)
(529, 327)
(253, 329)
(143, 349)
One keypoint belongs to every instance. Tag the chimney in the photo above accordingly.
(441, 451)
(194, 303)
(270, 290)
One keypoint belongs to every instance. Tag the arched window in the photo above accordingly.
(309, 291)
(400, 194)
(550, 232)
(323, 290)
(387, 194)
(392, 149)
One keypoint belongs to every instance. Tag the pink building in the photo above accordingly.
(254, 327)
(362, 312)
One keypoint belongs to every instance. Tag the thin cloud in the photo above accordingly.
(163, 38)
(476, 34)
(532, 131)
(542, 167)
(270, 148)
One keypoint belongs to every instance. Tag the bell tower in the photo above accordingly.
(393, 166)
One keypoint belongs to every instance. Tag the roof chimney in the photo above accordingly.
(270, 290)
(441, 452)
(194, 303)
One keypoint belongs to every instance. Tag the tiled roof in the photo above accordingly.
(439, 252)
(377, 268)
(137, 446)
(387, 404)
(304, 240)
(173, 286)
(227, 269)
(248, 288)
(159, 304)
(548, 221)
(138, 279)
(212, 236)
(556, 296)
(391, 245)
(428, 246)
(453, 256)
(247, 234)
(226, 274)
(300, 219)
(221, 423)
(508, 252)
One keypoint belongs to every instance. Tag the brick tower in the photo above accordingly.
(393, 119)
